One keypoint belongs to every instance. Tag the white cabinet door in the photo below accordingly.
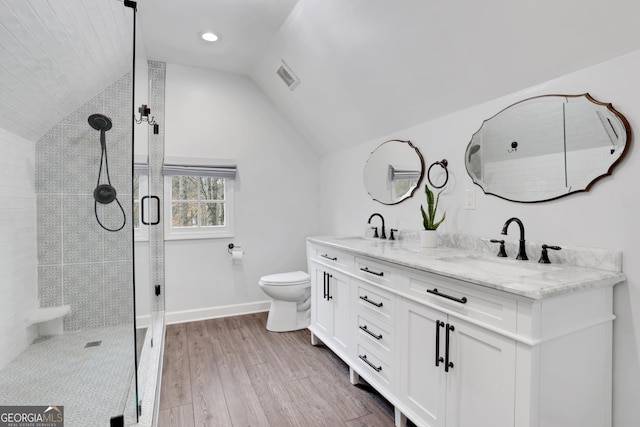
(481, 383)
(330, 308)
(322, 308)
(422, 383)
(340, 293)
(453, 373)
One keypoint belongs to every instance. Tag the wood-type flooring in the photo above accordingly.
(232, 372)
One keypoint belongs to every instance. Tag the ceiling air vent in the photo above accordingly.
(287, 76)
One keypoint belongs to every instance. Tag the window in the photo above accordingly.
(200, 201)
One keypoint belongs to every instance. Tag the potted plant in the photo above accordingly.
(429, 236)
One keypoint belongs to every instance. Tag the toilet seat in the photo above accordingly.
(286, 279)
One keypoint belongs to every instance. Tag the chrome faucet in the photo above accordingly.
(383, 234)
(522, 253)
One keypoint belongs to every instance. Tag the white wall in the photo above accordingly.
(607, 216)
(18, 252)
(221, 115)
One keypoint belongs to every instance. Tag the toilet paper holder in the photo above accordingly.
(231, 246)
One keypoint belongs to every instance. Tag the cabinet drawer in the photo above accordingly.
(333, 257)
(373, 367)
(376, 272)
(377, 302)
(374, 332)
(482, 304)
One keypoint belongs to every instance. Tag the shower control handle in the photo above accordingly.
(142, 204)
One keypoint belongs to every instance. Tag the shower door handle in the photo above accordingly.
(157, 199)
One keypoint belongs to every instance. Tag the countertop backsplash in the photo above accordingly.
(598, 258)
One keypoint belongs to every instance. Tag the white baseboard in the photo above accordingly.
(214, 312)
(143, 321)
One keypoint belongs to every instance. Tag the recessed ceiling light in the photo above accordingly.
(209, 36)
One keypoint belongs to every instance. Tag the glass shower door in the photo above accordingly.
(67, 83)
(149, 247)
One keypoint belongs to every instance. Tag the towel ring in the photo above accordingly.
(443, 164)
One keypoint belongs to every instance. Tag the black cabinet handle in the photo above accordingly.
(364, 328)
(327, 286)
(438, 358)
(376, 368)
(377, 304)
(377, 273)
(447, 363)
(324, 285)
(434, 291)
(328, 257)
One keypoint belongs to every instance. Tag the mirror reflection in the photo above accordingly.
(547, 147)
(393, 171)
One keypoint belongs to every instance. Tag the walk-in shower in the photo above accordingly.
(104, 193)
(73, 124)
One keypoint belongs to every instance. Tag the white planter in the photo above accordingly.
(429, 238)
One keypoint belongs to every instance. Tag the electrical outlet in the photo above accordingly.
(470, 199)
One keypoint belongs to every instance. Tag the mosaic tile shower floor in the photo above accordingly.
(92, 383)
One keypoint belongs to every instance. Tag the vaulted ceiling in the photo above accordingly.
(367, 67)
(56, 55)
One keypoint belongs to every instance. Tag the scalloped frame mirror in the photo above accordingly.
(393, 171)
(547, 147)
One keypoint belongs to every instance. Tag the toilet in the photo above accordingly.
(290, 300)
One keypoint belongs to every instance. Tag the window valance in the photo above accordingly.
(195, 166)
(398, 174)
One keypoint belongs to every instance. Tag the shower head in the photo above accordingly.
(100, 122)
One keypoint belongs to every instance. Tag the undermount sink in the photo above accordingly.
(499, 266)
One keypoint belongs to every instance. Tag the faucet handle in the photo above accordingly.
(544, 256)
(501, 253)
(375, 231)
(391, 236)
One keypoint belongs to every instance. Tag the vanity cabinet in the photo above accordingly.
(331, 300)
(374, 329)
(449, 352)
(454, 373)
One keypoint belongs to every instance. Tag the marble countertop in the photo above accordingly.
(525, 278)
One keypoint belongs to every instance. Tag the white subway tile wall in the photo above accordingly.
(18, 269)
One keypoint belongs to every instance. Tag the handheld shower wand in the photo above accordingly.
(104, 193)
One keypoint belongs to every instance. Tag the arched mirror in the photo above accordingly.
(547, 147)
(393, 172)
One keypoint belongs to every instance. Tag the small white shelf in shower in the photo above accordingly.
(48, 319)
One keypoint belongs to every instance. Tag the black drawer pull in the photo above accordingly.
(434, 291)
(364, 328)
(377, 368)
(377, 273)
(377, 304)
(328, 257)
